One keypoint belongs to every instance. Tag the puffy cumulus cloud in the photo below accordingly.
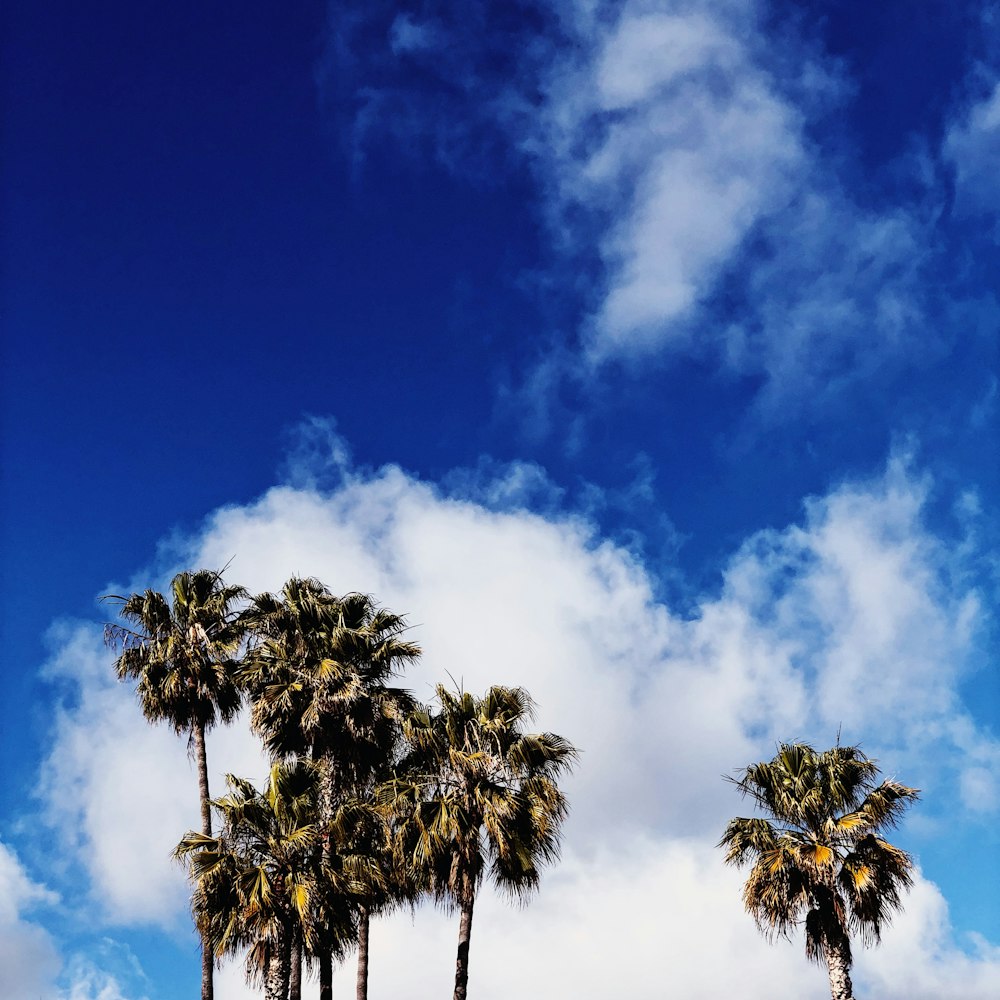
(29, 960)
(917, 958)
(646, 915)
(852, 616)
(673, 143)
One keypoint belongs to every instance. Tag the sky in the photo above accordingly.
(644, 354)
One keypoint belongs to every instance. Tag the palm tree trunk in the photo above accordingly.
(278, 973)
(363, 922)
(462, 964)
(838, 966)
(295, 976)
(325, 973)
(201, 761)
(327, 792)
(207, 971)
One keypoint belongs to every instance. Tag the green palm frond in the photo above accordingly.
(476, 795)
(816, 858)
(182, 654)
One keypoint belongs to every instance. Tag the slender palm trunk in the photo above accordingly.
(326, 799)
(363, 922)
(325, 974)
(295, 976)
(462, 963)
(201, 761)
(839, 968)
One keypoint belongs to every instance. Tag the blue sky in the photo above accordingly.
(644, 354)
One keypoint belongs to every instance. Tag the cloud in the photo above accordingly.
(918, 960)
(856, 615)
(695, 146)
(972, 146)
(29, 961)
(89, 982)
(675, 149)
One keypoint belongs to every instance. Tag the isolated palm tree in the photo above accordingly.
(818, 857)
(478, 796)
(182, 655)
(317, 675)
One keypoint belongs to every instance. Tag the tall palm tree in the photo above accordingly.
(819, 858)
(317, 674)
(257, 885)
(182, 655)
(476, 796)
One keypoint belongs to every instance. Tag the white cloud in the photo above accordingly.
(29, 961)
(695, 147)
(851, 616)
(674, 144)
(89, 982)
(918, 961)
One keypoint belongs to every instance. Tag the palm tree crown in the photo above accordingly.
(476, 796)
(257, 885)
(181, 653)
(818, 857)
(317, 673)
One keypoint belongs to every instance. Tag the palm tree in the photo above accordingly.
(182, 655)
(818, 856)
(388, 881)
(317, 675)
(257, 885)
(478, 795)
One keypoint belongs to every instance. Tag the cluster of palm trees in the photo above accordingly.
(372, 801)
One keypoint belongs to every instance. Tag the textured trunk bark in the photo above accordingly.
(839, 968)
(362, 987)
(207, 972)
(276, 979)
(295, 976)
(462, 963)
(201, 761)
(326, 800)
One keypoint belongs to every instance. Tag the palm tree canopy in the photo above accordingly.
(263, 875)
(476, 793)
(181, 652)
(318, 674)
(818, 855)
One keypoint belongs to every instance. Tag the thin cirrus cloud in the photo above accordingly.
(972, 146)
(822, 624)
(674, 144)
